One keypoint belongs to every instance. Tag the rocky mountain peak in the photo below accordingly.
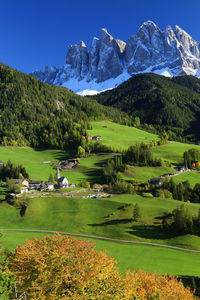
(109, 61)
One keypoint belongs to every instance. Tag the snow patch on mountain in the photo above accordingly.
(109, 61)
(83, 87)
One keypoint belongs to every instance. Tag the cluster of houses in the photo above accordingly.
(27, 186)
(94, 138)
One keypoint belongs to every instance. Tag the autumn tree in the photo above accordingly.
(61, 267)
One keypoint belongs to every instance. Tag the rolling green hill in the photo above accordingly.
(103, 217)
(40, 115)
(160, 101)
(118, 136)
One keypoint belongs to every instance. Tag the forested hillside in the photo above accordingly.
(41, 115)
(173, 103)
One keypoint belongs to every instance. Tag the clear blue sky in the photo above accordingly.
(34, 33)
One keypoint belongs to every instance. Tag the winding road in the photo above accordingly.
(104, 238)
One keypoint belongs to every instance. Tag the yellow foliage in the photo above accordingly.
(61, 267)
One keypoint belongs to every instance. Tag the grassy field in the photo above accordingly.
(152, 259)
(104, 217)
(120, 136)
(143, 174)
(38, 163)
(98, 217)
(173, 152)
(193, 177)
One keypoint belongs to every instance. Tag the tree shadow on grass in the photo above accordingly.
(93, 175)
(149, 232)
(112, 222)
(61, 154)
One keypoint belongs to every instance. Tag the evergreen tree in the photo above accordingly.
(136, 212)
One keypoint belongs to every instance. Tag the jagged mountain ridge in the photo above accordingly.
(109, 61)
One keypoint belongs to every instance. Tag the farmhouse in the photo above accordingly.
(50, 186)
(97, 138)
(88, 137)
(180, 169)
(155, 181)
(69, 163)
(35, 184)
(22, 182)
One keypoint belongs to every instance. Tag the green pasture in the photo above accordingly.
(143, 174)
(120, 136)
(132, 257)
(90, 169)
(193, 177)
(38, 163)
(173, 152)
(99, 217)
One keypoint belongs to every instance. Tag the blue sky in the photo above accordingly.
(34, 33)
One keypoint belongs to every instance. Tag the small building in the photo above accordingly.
(155, 181)
(1, 163)
(43, 187)
(97, 138)
(24, 189)
(72, 185)
(23, 182)
(35, 184)
(62, 182)
(50, 186)
(69, 163)
(180, 169)
(88, 137)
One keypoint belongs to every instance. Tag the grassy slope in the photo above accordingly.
(143, 174)
(91, 216)
(120, 136)
(33, 160)
(152, 259)
(76, 215)
(173, 152)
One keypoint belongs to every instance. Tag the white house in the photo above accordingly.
(50, 186)
(63, 182)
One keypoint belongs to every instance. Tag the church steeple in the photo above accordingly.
(57, 174)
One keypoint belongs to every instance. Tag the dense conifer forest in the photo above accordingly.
(173, 104)
(40, 115)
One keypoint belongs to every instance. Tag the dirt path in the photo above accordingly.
(105, 239)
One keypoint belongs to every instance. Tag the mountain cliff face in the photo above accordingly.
(109, 61)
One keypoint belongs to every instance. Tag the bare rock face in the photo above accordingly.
(78, 58)
(94, 57)
(149, 50)
(109, 64)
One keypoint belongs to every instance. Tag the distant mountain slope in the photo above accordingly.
(158, 100)
(37, 114)
(109, 61)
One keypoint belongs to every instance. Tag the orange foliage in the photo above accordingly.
(61, 267)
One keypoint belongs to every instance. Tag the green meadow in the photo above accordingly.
(129, 257)
(38, 163)
(173, 152)
(103, 217)
(143, 174)
(106, 217)
(120, 136)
